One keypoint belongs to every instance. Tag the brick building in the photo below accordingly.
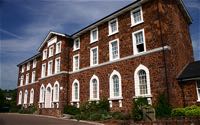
(139, 50)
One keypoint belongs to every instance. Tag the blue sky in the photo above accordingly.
(25, 23)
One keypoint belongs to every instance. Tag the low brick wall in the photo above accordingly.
(50, 112)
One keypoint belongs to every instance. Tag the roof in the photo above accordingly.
(191, 72)
(29, 59)
(49, 36)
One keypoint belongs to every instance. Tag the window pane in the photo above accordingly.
(113, 25)
(75, 91)
(137, 16)
(114, 50)
(94, 83)
(94, 52)
(142, 82)
(94, 34)
(139, 38)
(116, 85)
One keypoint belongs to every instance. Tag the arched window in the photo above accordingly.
(115, 85)
(142, 81)
(94, 88)
(31, 96)
(42, 94)
(25, 96)
(20, 98)
(75, 91)
(48, 96)
(56, 92)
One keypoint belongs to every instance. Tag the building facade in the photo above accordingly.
(137, 51)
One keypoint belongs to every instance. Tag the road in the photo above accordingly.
(20, 119)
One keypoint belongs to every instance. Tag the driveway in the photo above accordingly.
(20, 119)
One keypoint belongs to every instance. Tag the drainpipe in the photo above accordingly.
(163, 51)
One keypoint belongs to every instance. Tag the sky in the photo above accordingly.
(25, 23)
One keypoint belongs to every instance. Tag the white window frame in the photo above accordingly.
(74, 68)
(58, 45)
(26, 97)
(91, 88)
(43, 73)
(110, 29)
(54, 92)
(33, 76)
(31, 96)
(50, 68)
(44, 55)
(34, 63)
(110, 50)
(74, 45)
(56, 65)
(198, 94)
(112, 97)
(92, 40)
(27, 78)
(135, 51)
(137, 82)
(132, 17)
(42, 94)
(21, 80)
(91, 56)
(23, 68)
(20, 98)
(28, 66)
(73, 92)
(51, 53)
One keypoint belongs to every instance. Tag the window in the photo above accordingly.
(115, 85)
(42, 94)
(114, 49)
(94, 56)
(113, 26)
(43, 70)
(56, 92)
(48, 96)
(139, 44)
(23, 67)
(25, 97)
(76, 44)
(27, 78)
(58, 47)
(136, 16)
(75, 91)
(76, 62)
(28, 66)
(94, 88)
(198, 90)
(20, 98)
(31, 96)
(142, 81)
(21, 80)
(33, 77)
(57, 65)
(94, 35)
(34, 63)
(51, 51)
(44, 56)
(50, 68)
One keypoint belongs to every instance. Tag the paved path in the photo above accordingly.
(20, 119)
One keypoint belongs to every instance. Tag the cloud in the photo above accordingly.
(10, 33)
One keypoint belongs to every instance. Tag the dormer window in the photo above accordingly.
(51, 51)
(113, 26)
(76, 44)
(94, 35)
(136, 16)
(44, 56)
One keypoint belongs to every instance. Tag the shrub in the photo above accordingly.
(137, 108)
(163, 109)
(178, 112)
(29, 110)
(188, 111)
(120, 116)
(72, 110)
